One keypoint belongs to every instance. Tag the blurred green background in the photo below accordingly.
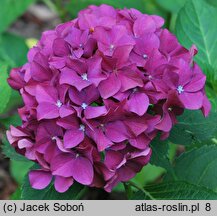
(21, 24)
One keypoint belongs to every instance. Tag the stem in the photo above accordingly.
(82, 193)
(141, 189)
(51, 5)
(173, 22)
(128, 190)
(61, 10)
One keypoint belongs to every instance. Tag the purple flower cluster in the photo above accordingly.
(97, 90)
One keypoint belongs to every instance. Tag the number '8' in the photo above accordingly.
(208, 207)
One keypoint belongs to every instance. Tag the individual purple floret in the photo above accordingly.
(97, 90)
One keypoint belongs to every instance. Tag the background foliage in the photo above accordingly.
(182, 167)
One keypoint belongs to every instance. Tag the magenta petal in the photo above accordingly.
(129, 80)
(46, 94)
(73, 137)
(60, 47)
(69, 76)
(61, 165)
(192, 101)
(62, 184)
(82, 170)
(171, 79)
(39, 179)
(47, 111)
(60, 145)
(206, 106)
(24, 143)
(65, 111)
(136, 125)
(112, 183)
(93, 112)
(138, 103)
(144, 24)
(99, 137)
(39, 73)
(165, 124)
(116, 131)
(17, 131)
(109, 87)
(140, 142)
(159, 21)
(113, 159)
(196, 84)
(126, 173)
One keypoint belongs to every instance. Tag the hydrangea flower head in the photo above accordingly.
(97, 90)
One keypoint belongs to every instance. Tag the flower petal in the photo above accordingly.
(73, 138)
(82, 170)
(62, 184)
(138, 103)
(192, 101)
(39, 179)
(110, 86)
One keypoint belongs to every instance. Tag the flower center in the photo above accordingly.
(170, 109)
(84, 76)
(145, 56)
(135, 90)
(82, 127)
(80, 45)
(91, 29)
(84, 105)
(58, 103)
(112, 46)
(150, 77)
(180, 89)
(54, 138)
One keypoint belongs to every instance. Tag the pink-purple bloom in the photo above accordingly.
(97, 90)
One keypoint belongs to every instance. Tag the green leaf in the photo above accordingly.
(10, 10)
(5, 90)
(160, 153)
(19, 169)
(75, 192)
(145, 6)
(10, 152)
(15, 101)
(178, 190)
(212, 2)
(198, 166)
(148, 174)
(28, 193)
(11, 120)
(196, 24)
(171, 5)
(13, 49)
(16, 195)
(193, 127)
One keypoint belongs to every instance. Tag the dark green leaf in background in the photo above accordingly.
(171, 5)
(13, 49)
(19, 169)
(178, 190)
(28, 193)
(5, 90)
(193, 127)
(11, 120)
(10, 10)
(145, 6)
(10, 152)
(160, 153)
(196, 24)
(198, 166)
(212, 2)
